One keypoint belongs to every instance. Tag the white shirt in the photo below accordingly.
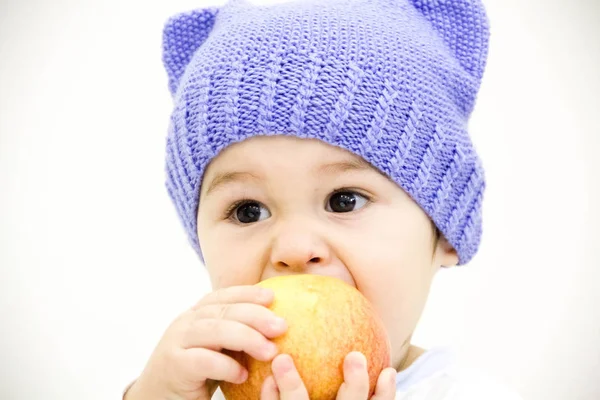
(438, 374)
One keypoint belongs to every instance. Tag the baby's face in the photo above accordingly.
(281, 205)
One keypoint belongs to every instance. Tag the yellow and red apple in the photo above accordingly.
(327, 319)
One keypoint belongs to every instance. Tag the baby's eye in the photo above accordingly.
(342, 202)
(250, 211)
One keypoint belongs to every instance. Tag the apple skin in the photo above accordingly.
(327, 319)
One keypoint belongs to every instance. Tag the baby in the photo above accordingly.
(321, 137)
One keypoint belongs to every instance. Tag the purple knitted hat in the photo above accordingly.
(393, 81)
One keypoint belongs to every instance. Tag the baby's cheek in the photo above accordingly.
(227, 275)
(396, 290)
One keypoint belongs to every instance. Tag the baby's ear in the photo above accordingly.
(446, 256)
(464, 26)
(183, 34)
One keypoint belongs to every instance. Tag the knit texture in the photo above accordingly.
(393, 81)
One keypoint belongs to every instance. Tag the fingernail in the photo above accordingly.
(243, 376)
(359, 362)
(266, 294)
(269, 349)
(392, 378)
(277, 323)
(286, 365)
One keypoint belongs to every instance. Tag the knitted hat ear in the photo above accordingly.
(183, 34)
(464, 27)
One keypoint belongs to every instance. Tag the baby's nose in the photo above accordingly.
(298, 250)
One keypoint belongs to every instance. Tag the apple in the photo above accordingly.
(327, 319)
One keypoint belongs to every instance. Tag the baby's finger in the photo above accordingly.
(254, 315)
(238, 294)
(269, 389)
(208, 364)
(356, 378)
(217, 334)
(288, 380)
(386, 385)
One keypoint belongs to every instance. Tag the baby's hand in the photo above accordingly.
(187, 362)
(286, 384)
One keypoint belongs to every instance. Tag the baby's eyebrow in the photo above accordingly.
(343, 166)
(224, 178)
(356, 164)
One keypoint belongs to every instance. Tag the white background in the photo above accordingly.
(95, 264)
